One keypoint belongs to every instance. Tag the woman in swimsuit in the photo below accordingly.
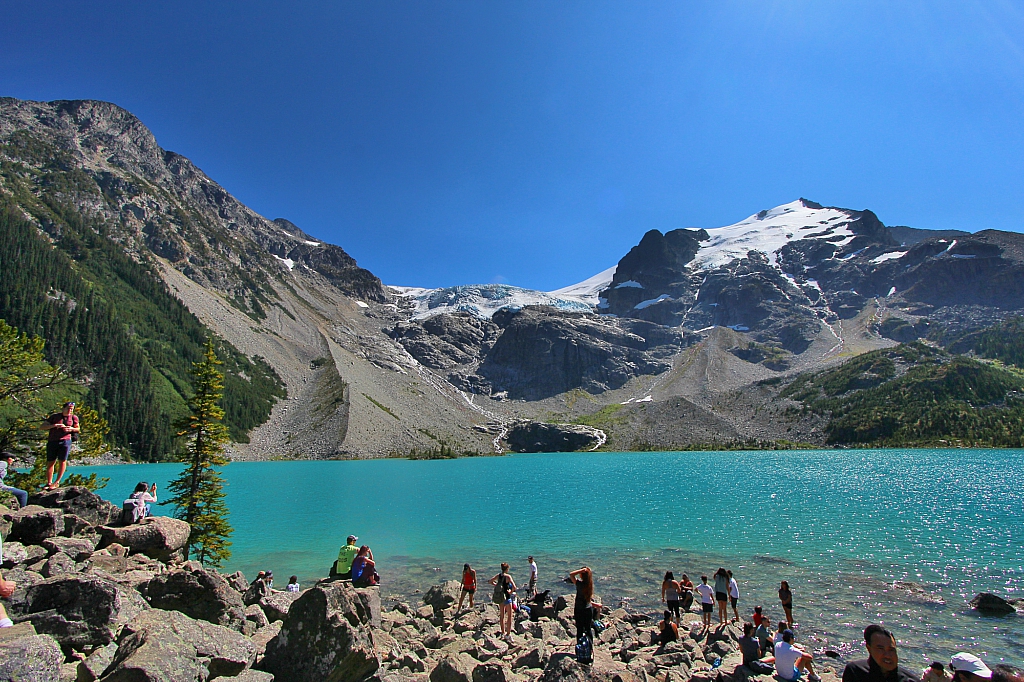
(468, 586)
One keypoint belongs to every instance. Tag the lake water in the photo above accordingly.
(840, 526)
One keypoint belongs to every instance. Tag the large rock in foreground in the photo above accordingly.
(539, 437)
(167, 645)
(80, 610)
(81, 502)
(158, 537)
(35, 658)
(33, 524)
(198, 593)
(326, 636)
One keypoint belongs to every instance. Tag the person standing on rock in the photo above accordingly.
(468, 586)
(504, 595)
(583, 611)
(61, 427)
(707, 600)
(6, 466)
(734, 597)
(722, 594)
(346, 555)
(670, 595)
(786, 597)
(531, 587)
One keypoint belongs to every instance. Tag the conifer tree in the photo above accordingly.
(198, 493)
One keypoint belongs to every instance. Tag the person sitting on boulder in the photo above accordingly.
(346, 555)
(764, 635)
(136, 507)
(7, 466)
(258, 589)
(364, 570)
(669, 631)
(753, 652)
(293, 584)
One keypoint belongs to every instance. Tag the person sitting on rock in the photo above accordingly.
(293, 584)
(764, 636)
(791, 660)
(753, 652)
(364, 570)
(136, 507)
(7, 466)
(669, 631)
(882, 664)
(258, 589)
(346, 555)
(936, 672)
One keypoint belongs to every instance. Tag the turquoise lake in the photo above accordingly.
(841, 526)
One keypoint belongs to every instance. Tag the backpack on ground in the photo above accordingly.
(584, 649)
(133, 511)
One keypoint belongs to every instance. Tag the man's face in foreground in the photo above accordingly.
(882, 650)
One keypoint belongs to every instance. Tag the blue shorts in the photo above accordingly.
(58, 449)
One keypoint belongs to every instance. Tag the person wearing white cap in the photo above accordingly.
(883, 661)
(968, 668)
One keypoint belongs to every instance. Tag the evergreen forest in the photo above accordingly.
(108, 319)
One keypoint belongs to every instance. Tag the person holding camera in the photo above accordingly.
(62, 427)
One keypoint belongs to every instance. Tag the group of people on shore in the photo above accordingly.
(679, 595)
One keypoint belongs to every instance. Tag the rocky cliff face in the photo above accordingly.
(158, 201)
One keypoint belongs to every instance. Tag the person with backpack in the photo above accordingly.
(136, 507)
(505, 596)
(62, 428)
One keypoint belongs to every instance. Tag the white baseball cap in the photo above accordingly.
(969, 663)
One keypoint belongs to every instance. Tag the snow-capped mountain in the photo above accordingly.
(483, 300)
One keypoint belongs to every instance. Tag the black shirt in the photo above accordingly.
(868, 671)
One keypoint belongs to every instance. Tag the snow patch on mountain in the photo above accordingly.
(482, 300)
(587, 291)
(768, 231)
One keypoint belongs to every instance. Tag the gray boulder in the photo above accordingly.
(168, 645)
(33, 524)
(443, 596)
(326, 636)
(79, 549)
(16, 553)
(277, 604)
(58, 564)
(96, 663)
(564, 668)
(35, 658)
(80, 610)
(992, 605)
(255, 614)
(237, 581)
(198, 593)
(536, 657)
(79, 501)
(158, 537)
(454, 668)
(493, 672)
(253, 676)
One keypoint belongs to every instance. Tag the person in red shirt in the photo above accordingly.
(61, 426)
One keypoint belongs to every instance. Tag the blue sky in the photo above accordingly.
(534, 143)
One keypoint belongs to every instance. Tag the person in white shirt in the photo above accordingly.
(293, 584)
(734, 597)
(791, 660)
(707, 599)
(531, 587)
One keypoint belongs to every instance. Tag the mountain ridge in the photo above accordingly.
(677, 333)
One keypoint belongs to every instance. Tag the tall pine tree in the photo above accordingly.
(198, 493)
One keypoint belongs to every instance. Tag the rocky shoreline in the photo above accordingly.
(97, 601)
